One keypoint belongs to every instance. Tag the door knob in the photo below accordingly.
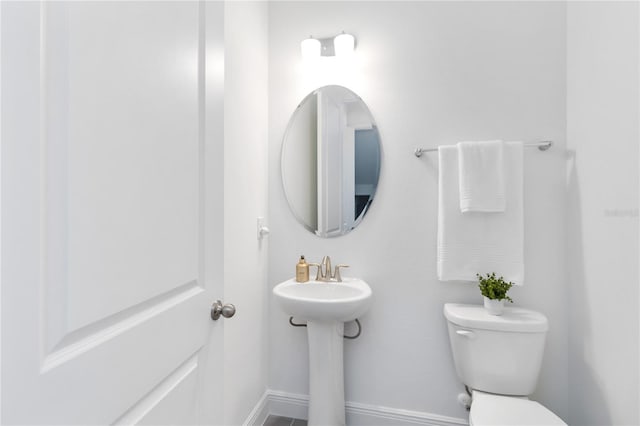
(226, 310)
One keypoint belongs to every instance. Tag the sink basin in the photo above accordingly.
(324, 301)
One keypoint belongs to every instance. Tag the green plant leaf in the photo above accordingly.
(494, 288)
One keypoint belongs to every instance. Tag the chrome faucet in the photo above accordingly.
(325, 274)
(325, 268)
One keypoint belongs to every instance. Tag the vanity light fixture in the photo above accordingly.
(344, 44)
(341, 45)
(310, 48)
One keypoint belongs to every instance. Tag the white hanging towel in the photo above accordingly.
(475, 242)
(481, 176)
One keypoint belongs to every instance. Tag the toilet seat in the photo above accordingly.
(495, 410)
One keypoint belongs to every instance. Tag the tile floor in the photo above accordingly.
(283, 421)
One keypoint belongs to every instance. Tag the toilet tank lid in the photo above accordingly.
(513, 319)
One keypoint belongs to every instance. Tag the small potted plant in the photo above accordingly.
(494, 291)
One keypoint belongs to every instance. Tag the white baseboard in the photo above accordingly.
(286, 404)
(295, 406)
(259, 413)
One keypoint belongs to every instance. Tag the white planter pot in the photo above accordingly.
(494, 307)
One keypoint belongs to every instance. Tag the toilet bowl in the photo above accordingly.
(499, 357)
(498, 410)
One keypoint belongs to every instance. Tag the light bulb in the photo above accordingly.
(310, 48)
(344, 44)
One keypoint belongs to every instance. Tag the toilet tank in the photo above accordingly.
(499, 354)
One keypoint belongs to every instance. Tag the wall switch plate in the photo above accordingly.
(262, 229)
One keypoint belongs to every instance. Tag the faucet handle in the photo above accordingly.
(318, 266)
(336, 273)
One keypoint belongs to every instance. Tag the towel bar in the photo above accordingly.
(355, 336)
(541, 145)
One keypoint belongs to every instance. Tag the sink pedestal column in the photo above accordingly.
(326, 373)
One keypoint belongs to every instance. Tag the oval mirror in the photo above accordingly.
(331, 161)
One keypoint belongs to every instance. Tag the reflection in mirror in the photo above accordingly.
(331, 161)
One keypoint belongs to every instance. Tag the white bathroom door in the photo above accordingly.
(330, 124)
(111, 212)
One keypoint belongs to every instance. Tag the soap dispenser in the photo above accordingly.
(302, 270)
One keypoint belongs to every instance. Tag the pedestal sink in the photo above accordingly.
(326, 306)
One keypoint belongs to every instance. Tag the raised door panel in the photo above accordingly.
(123, 154)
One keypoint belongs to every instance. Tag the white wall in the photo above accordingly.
(602, 175)
(245, 198)
(432, 73)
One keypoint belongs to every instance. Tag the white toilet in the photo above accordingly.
(498, 357)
